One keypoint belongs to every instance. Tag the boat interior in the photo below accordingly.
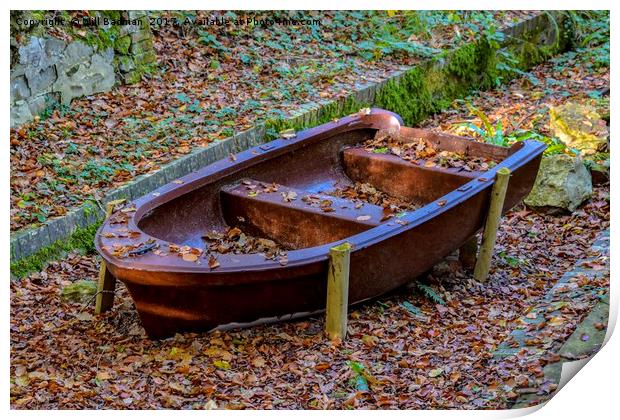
(317, 192)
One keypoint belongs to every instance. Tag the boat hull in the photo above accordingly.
(171, 297)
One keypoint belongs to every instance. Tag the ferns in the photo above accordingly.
(430, 293)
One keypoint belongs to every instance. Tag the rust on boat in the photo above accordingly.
(276, 210)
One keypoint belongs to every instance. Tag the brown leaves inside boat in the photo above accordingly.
(235, 241)
(421, 152)
(360, 193)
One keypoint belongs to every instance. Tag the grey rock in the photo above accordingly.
(86, 78)
(19, 88)
(587, 339)
(18, 70)
(40, 80)
(20, 113)
(126, 64)
(38, 58)
(77, 53)
(563, 182)
(136, 14)
(33, 54)
(54, 49)
(141, 35)
(38, 104)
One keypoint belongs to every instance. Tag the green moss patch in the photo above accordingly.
(81, 239)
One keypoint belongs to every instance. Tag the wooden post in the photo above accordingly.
(467, 253)
(107, 283)
(338, 291)
(498, 194)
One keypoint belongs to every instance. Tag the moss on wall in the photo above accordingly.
(81, 239)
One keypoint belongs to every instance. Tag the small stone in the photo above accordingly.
(79, 292)
(94, 75)
(126, 64)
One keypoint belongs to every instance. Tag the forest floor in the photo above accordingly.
(420, 347)
(403, 351)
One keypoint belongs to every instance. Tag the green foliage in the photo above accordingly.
(211, 41)
(511, 261)
(591, 39)
(591, 27)
(427, 89)
(430, 293)
(494, 134)
(82, 239)
(358, 380)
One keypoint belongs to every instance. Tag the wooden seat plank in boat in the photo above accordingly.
(403, 179)
(295, 218)
(451, 143)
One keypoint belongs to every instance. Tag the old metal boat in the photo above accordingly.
(284, 204)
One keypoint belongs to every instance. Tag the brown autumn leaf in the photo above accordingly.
(190, 257)
(258, 362)
(213, 262)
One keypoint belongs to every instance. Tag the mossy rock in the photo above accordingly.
(579, 127)
(122, 44)
(79, 292)
(599, 172)
(132, 77)
(563, 183)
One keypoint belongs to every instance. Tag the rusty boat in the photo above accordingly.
(280, 192)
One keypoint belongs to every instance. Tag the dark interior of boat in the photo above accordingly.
(320, 192)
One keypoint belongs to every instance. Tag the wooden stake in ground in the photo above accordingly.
(338, 291)
(498, 194)
(107, 282)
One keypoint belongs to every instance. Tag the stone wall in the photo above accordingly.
(47, 70)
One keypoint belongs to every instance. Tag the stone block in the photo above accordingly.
(77, 53)
(86, 78)
(146, 57)
(563, 182)
(142, 46)
(126, 64)
(141, 35)
(20, 113)
(40, 79)
(38, 104)
(19, 88)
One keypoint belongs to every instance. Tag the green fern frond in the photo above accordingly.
(431, 294)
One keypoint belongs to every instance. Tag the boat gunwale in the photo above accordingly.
(519, 154)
